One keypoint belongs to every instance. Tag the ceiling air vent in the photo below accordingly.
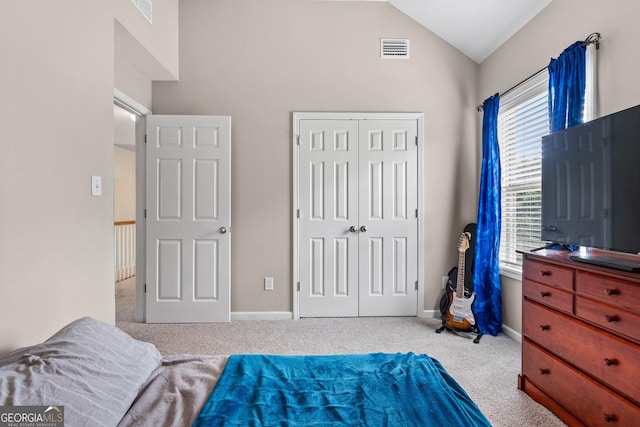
(394, 48)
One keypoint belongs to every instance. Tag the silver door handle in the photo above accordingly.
(222, 230)
(363, 228)
(353, 229)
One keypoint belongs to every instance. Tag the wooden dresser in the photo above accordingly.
(581, 340)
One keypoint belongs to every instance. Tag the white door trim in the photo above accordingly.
(141, 226)
(123, 100)
(297, 116)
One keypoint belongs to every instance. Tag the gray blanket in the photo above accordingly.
(176, 391)
(103, 377)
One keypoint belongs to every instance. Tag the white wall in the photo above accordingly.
(152, 48)
(56, 240)
(56, 130)
(261, 61)
(144, 51)
(547, 35)
(129, 80)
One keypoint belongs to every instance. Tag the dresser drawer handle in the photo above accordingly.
(545, 273)
(545, 294)
(544, 327)
(610, 418)
(544, 371)
(610, 362)
(611, 292)
(611, 318)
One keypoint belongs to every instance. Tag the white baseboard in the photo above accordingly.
(261, 315)
(431, 313)
(287, 315)
(512, 333)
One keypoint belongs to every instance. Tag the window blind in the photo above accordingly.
(522, 121)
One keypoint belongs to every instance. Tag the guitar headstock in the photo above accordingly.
(463, 243)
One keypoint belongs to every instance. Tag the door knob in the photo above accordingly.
(222, 230)
(363, 228)
(353, 229)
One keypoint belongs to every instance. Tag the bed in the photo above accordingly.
(100, 376)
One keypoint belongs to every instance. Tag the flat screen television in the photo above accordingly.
(591, 184)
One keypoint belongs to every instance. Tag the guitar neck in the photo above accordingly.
(460, 284)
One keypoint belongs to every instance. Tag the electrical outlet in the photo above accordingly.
(268, 283)
(445, 279)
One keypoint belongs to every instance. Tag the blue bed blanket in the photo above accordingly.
(352, 390)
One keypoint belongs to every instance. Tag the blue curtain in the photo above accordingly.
(486, 271)
(567, 77)
(567, 86)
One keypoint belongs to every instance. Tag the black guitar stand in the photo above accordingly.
(463, 333)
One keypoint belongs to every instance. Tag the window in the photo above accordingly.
(522, 121)
(145, 7)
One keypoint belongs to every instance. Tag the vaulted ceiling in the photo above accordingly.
(475, 27)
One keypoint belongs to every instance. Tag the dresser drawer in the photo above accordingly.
(548, 295)
(607, 289)
(613, 318)
(606, 357)
(590, 402)
(548, 274)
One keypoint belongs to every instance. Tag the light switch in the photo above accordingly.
(96, 185)
(268, 283)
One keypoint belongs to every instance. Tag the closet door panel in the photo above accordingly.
(388, 201)
(328, 249)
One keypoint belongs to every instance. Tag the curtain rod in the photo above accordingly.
(479, 107)
(593, 38)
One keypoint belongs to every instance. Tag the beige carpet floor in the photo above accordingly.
(487, 371)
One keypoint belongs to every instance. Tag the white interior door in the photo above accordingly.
(357, 229)
(188, 218)
(388, 206)
(328, 185)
